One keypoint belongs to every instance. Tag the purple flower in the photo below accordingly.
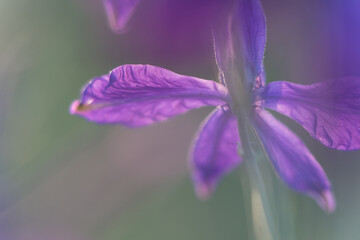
(140, 95)
(119, 13)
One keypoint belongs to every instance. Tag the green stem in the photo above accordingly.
(263, 220)
(262, 217)
(242, 106)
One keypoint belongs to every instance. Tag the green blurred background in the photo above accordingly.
(64, 178)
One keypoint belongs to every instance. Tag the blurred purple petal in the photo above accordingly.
(329, 110)
(139, 95)
(214, 151)
(119, 13)
(292, 160)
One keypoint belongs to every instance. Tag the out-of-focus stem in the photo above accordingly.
(242, 107)
(262, 217)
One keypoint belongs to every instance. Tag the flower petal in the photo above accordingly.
(252, 34)
(139, 95)
(214, 152)
(240, 41)
(119, 13)
(329, 110)
(293, 162)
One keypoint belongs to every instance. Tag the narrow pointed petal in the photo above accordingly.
(293, 162)
(119, 13)
(214, 151)
(252, 36)
(139, 95)
(240, 41)
(329, 110)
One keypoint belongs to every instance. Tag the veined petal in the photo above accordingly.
(329, 110)
(293, 162)
(214, 151)
(119, 13)
(139, 95)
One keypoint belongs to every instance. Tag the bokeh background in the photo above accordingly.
(64, 178)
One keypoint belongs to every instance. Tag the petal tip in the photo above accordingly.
(74, 107)
(327, 201)
(119, 14)
(77, 106)
(203, 191)
(116, 28)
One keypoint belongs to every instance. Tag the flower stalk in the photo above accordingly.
(263, 221)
